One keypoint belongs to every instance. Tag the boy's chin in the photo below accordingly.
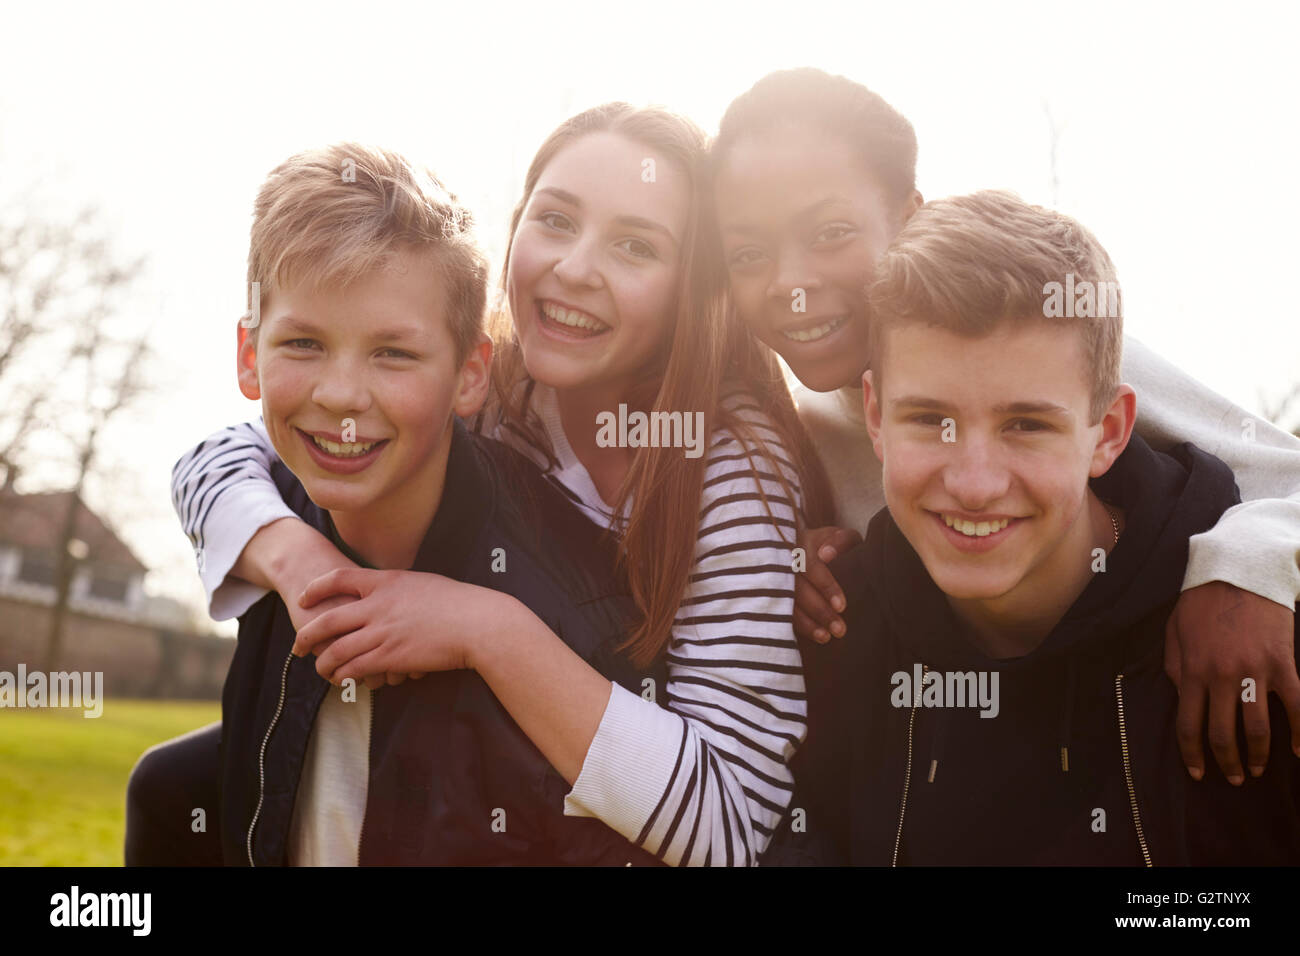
(335, 494)
(971, 584)
(335, 503)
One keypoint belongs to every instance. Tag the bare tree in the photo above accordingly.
(69, 361)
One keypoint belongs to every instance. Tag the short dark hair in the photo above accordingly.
(882, 136)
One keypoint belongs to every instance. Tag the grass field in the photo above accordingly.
(63, 776)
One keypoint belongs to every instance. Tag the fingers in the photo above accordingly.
(367, 666)
(812, 607)
(816, 592)
(333, 623)
(1223, 730)
(395, 679)
(842, 540)
(346, 581)
(1173, 651)
(345, 651)
(1187, 725)
(1254, 717)
(808, 629)
(820, 577)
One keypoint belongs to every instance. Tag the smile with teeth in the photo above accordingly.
(572, 318)
(344, 449)
(975, 529)
(816, 332)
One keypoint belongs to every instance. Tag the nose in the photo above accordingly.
(579, 264)
(793, 271)
(975, 476)
(343, 388)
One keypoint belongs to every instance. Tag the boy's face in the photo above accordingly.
(798, 210)
(987, 451)
(379, 352)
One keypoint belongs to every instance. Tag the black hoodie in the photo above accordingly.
(1080, 765)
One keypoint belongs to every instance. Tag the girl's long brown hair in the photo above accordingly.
(710, 355)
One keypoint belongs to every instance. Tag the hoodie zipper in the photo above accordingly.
(370, 741)
(907, 775)
(1128, 768)
(261, 757)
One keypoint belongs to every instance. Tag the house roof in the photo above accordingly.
(36, 521)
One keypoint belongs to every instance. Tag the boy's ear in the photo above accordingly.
(474, 379)
(871, 406)
(1116, 429)
(246, 363)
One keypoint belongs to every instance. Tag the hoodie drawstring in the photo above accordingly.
(1067, 714)
(936, 745)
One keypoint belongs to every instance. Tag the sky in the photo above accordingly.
(1177, 146)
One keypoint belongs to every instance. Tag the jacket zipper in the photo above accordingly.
(261, 757)
(907, 776)
(1128, 769)
(370, 740)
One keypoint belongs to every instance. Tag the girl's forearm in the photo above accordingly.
(555, 697)
(286, 555)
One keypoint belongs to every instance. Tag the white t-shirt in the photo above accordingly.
(331, 803)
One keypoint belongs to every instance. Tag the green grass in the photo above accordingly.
(63, 776)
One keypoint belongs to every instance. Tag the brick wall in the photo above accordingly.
(137, 660)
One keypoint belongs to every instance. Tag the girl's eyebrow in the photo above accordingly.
(563, 195)
(831, 200)
(636, 222)
(808, 212)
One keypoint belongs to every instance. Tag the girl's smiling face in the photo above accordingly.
(593, 272)
(802, 223)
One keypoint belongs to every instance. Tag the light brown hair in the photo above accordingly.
(969, 263)
(708, 354)
(331, 215)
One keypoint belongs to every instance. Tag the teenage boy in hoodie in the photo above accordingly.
(365, 349)
(1000, 697)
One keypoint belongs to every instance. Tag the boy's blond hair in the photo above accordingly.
(969, 263)
(330, 215)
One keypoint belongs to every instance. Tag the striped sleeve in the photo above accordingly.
(223, 493)
(706, 781)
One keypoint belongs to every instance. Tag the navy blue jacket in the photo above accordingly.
(448, 766)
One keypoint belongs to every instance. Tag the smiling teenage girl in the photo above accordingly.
(612, 302)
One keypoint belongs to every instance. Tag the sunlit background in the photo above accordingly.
(1174, 131)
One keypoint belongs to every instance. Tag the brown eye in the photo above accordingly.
(638, 248)
(556, 220)
(745, 257)
(834, 232)
(1029, 425)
